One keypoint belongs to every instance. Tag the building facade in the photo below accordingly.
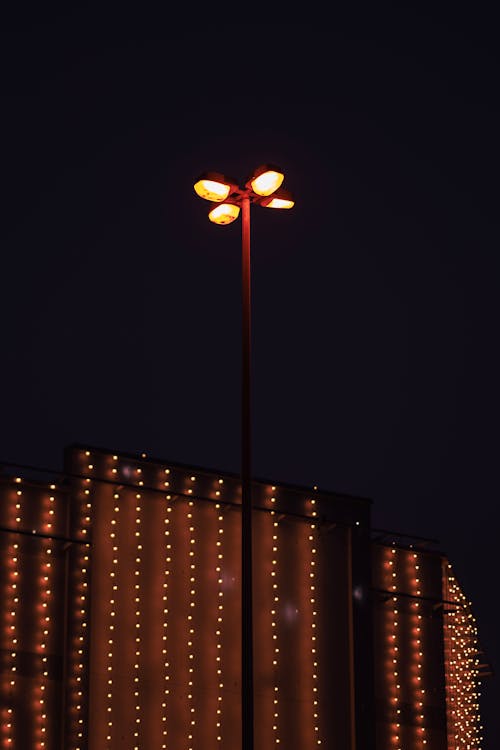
(121, 617)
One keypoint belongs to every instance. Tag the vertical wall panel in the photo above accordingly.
(408, 637)
(10, 515)
(31, 636)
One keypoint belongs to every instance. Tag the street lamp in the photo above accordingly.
(264, 189)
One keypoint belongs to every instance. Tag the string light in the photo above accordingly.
(10, 616)
(418, 656)
(314, 621)
(111, 625)
(44, 622)
(165, 643)
(137, 623)
(220, 620)
(461, 667)
(274, 627)
(393, 645)
(190, 624)
(78, 655)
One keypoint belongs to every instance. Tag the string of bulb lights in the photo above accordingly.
(111, 625)
(43, 640)
(462, 666)
(275, 626)
(165, 634)
(190, 625)
(417, 646)
(137, 623)
(77, 699)
(11, 621)
(394, 667)
(312, 538)
(219, 572)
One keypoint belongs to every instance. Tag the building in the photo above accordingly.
(121, 617)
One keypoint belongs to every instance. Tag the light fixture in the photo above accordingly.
(224, 213)
(281, 198)
(213, 186)
(262, 188)
(266, 179)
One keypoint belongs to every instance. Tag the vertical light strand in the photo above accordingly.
(190, 625)
(77, 697)
(165, 640)
(82, 614)
(137, 623)
(44, 626)
(451, 697)
(418, 656)
(111, 626)
(274, 626)
(112, 603)
(12, 615)
(16, 582)
(312, 538)
(219, 572)
(394, 655)
(12, 602)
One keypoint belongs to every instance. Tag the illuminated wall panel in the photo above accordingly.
(302, 676)
(408, 632)
(165, 632)
(32, 582)
(165, 610)
(11, 516)
(336, 683)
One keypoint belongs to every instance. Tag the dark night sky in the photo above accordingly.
(375, 302)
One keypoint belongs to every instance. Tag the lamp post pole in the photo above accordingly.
(247, 723)
(227, 200)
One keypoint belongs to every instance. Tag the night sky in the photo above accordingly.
(375, 300)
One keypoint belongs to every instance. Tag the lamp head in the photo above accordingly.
(214, 186)
(263, 188)
(224, 213)
(281, 198)
(265, 179)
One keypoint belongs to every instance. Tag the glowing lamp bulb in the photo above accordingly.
(280, 199)
(279, 203)
(224, 213)
(212, 186)
(267, 182)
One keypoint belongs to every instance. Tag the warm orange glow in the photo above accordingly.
(219, 572)
(280, 203)
(392, 656)
(267, 182)
(213, 186)
(225, 213)
(211, 190)
(77, 681)
(418, 664)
